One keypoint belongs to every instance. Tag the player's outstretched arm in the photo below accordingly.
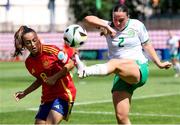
(21, 94)
(100, 24)
(152, 53)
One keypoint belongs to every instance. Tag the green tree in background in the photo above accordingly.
(100, 8)
(170, 6)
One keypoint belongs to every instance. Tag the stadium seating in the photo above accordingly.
(95, 42)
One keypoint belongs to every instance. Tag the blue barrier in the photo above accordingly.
(102, 54)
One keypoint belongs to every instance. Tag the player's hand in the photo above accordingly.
(19, 95)
(111, 31)
(51, 80)
(165, 65)
(108, 30)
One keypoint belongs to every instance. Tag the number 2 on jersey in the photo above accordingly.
(121, 40)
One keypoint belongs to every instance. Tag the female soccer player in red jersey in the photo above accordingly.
(50, 66)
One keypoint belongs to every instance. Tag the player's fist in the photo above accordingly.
(19, 95)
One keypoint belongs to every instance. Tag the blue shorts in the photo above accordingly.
(58, 105)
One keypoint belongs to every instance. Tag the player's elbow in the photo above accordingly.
(86, 18)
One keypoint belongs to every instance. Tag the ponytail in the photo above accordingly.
(18, 39)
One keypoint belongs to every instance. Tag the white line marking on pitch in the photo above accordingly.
(132, 114)
(136, 114)
(105, 101)
(134, 98)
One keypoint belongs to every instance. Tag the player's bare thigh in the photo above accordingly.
(54, 117)
(126, 68)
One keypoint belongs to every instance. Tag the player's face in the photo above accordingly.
(32, 43)
(120, 20)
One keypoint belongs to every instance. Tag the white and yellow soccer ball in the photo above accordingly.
(75, 35)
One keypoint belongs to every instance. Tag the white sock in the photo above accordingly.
(98, 69)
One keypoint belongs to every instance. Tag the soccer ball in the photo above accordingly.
(75, 35)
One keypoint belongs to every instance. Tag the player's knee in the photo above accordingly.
(39, 121)
(122, 117)
(136, 79)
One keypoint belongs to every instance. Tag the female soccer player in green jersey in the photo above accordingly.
(126, 39)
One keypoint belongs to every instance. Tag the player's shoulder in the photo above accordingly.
(45, 46)
(135, 22)
(137, 25)
(50, 49)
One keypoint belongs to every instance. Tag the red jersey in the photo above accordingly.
(47, 64)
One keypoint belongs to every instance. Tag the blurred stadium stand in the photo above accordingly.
(95, 43)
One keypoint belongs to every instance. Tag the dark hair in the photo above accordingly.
(18, 39)
(119, 8)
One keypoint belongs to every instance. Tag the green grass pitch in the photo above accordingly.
(157, 102)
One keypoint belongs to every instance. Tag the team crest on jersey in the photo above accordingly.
(131, 33)
(46, 64)
(33, 71)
